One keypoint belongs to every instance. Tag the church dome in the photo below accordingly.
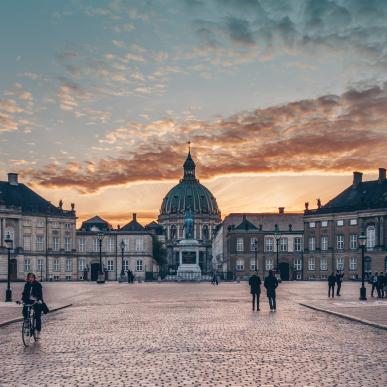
(189, 193)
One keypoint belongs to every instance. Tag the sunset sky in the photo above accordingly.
(281, 100)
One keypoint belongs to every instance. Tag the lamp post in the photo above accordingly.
(9, 244)
(122, 246)
(256, 253)
(277, 236)
(362, 243)
(101, 275)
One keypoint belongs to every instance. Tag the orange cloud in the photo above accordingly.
(326, 134)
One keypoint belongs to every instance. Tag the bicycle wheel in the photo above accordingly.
(26, 332)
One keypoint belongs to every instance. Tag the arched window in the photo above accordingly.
(370, 237)
(173, 232)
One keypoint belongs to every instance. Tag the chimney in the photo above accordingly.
(382, 175)
(357, 178)
(12, 179)
(281, 210)
(134, 217)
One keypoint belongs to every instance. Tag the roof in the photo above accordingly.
(266, 221)
(133, 225)
(19, 195)
(96, 223)
(189, 193)
(366, 195)
(245, 225)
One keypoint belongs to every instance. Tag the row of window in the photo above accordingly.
(68, 262)
(110, 245)
(42, 223)
(339, 242)
(269, 244)
(40, 243)
(297, 264)
(353, 245)
(339, 223)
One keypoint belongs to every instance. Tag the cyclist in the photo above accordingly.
(33, 294)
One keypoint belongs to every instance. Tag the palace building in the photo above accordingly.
(332, 230)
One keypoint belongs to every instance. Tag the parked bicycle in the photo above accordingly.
(29, 331)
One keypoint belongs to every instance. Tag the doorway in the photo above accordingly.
(94, 271)
(284, 271)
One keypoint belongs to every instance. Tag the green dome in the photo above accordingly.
(189, 193)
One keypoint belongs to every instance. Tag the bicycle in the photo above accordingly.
(29, 324)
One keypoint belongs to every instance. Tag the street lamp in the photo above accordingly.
(101, 275)
(9, 244)
(277, 236)
(362, 243)
(122, 245)
(256, 253)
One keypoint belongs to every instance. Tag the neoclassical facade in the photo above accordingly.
(136, 254)
(189, 195)
(332, 230)
(43, 235)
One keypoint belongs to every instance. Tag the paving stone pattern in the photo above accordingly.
(192, 335)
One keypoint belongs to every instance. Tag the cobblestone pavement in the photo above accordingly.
(193, 334)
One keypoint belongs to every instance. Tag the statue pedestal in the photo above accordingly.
(189, 269)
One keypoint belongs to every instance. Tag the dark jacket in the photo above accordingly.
(34, 289)
(271, 284)
(381, 281)
(339, 278)
(332, 280)
(255, 284)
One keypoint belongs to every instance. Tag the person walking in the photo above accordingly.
(271, 284)
(374, 282)
(380, 285)
(33, 294)
(331, 285)
(339, 280)
(255, 289)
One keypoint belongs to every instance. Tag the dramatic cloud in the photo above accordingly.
(328, 134)
(274, 25)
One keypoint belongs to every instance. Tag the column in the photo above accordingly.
(181, 257)
(197, 257)
(381, 232)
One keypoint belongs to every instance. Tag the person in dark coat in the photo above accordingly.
(255, 289)
(380, 285)
(33, 294)
(271, 284)
(374, 282)
(339, 280)
(331, 285)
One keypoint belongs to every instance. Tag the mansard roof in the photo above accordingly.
(19, 196)
(361, 196)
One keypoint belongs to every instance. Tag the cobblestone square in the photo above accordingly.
(172, 334)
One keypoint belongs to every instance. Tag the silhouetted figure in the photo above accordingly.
(255, 289)
(331, 285)
(374, 282)
(215, 280)
(271, 284)
(339, 280)
(85, 274)
(380, 285)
